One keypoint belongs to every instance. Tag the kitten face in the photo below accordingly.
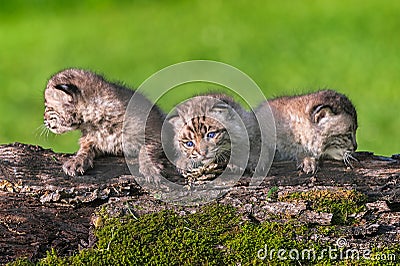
(203, 133)
(60, 113)
(335, 119)
(314, 126)
(204, 140)
(342, 137)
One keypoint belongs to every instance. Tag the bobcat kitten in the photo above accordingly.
(314, 126)
(77, 99)
(206, 129)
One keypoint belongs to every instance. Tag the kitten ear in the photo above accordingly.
(220, 107)
(176, 121)
(67, 88)
(320, 112)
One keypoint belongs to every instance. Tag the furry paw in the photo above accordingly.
(309, 165)
(150, 168)
(232, 168)
(152, 173)
(77, 165)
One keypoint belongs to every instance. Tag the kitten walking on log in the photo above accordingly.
(314, 126)
(77, 99)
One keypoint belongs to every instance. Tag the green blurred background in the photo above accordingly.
(286, 47)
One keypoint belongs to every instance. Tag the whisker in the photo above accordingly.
(348, 157)
(41, 131)
(37, 131)
(45, 132)
(193, 163)
(222, 158)
(48, 133)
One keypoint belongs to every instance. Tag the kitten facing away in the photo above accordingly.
(207, 128)
(77, 99)
(314, 126)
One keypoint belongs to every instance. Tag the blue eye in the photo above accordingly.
(189, 144)
(211, 135)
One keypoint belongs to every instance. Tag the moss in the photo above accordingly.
(341, 203)
(215, 235)
(253, 242)
(22, 262)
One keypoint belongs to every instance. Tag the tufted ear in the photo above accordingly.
(176, 121)
(320, 112)
(69, 89)
(220, 107)
(64, 93)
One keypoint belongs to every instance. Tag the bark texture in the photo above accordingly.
(41, 208)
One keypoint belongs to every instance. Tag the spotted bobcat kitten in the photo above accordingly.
(206, 129)
(77, 99)
(314, 126)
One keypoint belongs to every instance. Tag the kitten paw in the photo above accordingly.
(152, 174)
(234, 169)
(151, 168)
(309, 165)
(77, 165)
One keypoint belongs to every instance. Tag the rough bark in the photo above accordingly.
(41, 208)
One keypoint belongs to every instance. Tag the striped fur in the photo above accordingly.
(202, 139)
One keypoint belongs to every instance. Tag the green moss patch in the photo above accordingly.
(341, 203)
(215, 235)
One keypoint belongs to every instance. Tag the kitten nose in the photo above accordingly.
(202, 151)
(202, 148)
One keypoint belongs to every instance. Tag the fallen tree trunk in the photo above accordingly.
(41, 208)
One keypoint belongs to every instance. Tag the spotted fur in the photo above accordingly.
(202, 139)
(77, 99)
(314, 126)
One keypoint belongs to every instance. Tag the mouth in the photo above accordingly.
(208, 160)
(48, 125)
(55, 129)
(335, 153)
(200, 162)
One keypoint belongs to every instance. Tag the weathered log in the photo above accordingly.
(41, 208)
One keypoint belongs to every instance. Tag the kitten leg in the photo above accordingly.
(182, 166)
(308, 165)
(82, 161)
(151, 164)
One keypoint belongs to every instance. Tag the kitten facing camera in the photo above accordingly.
(209, 136)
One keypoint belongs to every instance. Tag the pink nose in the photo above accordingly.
(202, 152)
